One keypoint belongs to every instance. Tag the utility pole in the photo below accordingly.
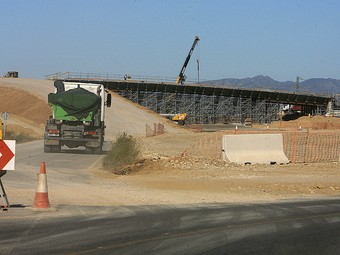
(198, 70)
(298, 79)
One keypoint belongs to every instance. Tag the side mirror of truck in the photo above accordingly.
(108, 100)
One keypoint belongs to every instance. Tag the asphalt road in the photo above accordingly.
(70, 163)
(311, 227)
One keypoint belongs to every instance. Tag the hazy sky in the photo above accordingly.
(239, 38)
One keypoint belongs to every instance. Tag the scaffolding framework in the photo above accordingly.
(205, 103)
(204, 109)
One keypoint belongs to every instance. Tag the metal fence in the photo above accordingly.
(299, 146)
(158, 129)
(113, 77)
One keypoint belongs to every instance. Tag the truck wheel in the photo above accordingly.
(181, 122)
(56, 149)
(47, 148)
(88, 150)
(97, 150)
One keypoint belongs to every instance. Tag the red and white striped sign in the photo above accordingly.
(7, 154)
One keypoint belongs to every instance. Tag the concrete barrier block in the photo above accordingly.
(254, 149)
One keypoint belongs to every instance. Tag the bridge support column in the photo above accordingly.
(330, 108)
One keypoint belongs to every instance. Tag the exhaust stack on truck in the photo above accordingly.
(78, 111)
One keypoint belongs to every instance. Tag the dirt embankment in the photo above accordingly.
(28, 113)
(309, 122)
(24, 105)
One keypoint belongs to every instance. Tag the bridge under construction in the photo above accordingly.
(204, 103)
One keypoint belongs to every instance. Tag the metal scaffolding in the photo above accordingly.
(206, 109)
(205, 103)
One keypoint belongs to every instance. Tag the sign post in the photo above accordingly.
(5, 117)
(3, 192)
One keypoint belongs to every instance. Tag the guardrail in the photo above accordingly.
(110, 77)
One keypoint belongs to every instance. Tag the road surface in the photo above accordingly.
(301, 227)
(311, 227)
(65, 171)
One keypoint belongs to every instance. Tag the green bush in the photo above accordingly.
(124, 152)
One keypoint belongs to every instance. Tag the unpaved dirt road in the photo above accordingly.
(165, 175)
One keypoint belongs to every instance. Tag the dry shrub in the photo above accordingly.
(20, 137)
(123, 154)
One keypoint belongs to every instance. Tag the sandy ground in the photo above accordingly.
(166, 174)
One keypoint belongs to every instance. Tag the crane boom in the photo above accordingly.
(181, 77)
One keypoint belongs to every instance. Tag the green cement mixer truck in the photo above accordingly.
(78, 111)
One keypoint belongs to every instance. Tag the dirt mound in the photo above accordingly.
(309, 122)
(39, 88)
(25, 105)
(127, 117)
(28, 113)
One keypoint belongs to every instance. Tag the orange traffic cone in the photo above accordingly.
(41, 195)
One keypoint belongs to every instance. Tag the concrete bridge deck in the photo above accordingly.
(168, 85)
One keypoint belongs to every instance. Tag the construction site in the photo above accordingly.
(211, 143)
(195, 102)
(163, 127)
(186, 159)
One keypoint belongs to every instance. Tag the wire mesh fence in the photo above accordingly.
(158, 129)
(299, 146)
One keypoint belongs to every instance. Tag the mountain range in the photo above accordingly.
(314, 85)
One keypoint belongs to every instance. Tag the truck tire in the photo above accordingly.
(181, 122)
(56, 149)
(91, 150)
(88, 150)
(97, 150)
(47, 148)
